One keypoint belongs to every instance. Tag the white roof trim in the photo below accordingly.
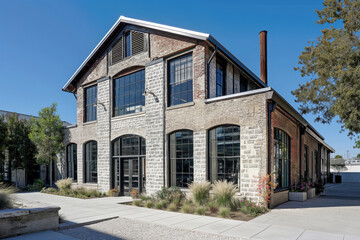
(156, 26)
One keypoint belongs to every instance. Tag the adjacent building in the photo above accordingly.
(164, 106)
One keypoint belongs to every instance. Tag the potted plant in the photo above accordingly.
(298, 192)
(113, 192)
(311, 192)
(134, 194)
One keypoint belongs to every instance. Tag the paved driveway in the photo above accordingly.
(336, 211)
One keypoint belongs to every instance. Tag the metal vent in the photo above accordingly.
(138, 42)
(117, 52)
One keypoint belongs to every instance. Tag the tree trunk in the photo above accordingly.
(51, 173)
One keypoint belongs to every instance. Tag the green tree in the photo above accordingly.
(358, 156)
(3, 138)
(338, 156)
(332, 62)
(47, 134)
(21, 149)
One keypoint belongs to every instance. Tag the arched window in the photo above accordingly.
(181, 158)
(91, 162)
(282, 158)
(71, 161)
(224, 153)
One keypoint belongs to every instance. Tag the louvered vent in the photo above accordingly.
(117, 52)
(138, 42)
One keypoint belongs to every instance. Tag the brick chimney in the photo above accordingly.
(263, 56)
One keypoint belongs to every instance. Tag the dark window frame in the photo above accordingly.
(236, 159)
(220, 77)
(178, 87)
(283, 156)
(90, 176)
(90, 108)
(127, 44)
(71, 161)
(184, 157)
(128, 95)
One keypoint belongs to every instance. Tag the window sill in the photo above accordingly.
(189, 104)
(90, 122)
(131, 115)
(281, 190)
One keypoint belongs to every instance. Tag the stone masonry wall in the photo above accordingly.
(154, 78)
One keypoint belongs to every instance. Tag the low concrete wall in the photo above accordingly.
(348, 177)
(14, 222)
(279, 198)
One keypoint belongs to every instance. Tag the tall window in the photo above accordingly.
(282, 158)
(91, 162)
(71, 161)
(224, 153)
(128, 93)
(220, 79)
(180, 80)
(306, 157)
(90, 103)
(181, 158)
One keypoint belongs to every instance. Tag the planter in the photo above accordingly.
(115, 194)
(337, 178)
(298, 196)
(311, 193)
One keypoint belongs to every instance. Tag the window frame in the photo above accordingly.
(280, 186)
(87, 105)
(222, 63)
(210, 165)
(70, 161)
(135, 95)
(183, 159)
(169, 84)
(87, 177)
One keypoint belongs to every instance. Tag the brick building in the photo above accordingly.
(163, 106)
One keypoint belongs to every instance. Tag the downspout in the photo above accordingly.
(164, 127)
(271, 108)
(208, 70)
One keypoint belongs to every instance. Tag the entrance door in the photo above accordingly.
(129, 174)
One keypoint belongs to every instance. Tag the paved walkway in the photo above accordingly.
(336, 212)
(280, 223)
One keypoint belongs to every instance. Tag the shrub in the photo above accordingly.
(158, 205)
(224, 212)
(187, 209)
(200, 210)
(250, 208)
(5, 200)
(200, 192)
(224, 192)
(234, 204)
(170, 195)
(145, 198)
(49, 190)
(113, 192)
(213, 208)
(173, 207)
(137, 202)
(64, 184)
(149, 204)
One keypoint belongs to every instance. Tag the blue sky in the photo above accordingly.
(42, 43)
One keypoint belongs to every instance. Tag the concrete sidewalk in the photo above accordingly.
(80, 211)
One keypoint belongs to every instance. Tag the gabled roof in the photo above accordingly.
(159, 27)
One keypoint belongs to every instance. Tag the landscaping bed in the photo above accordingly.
(222, 203)
(64, 188)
